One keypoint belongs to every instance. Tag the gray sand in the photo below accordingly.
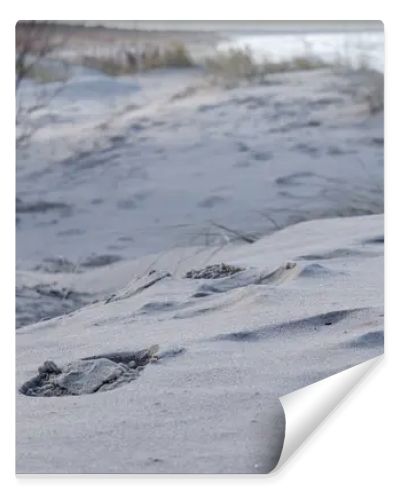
(277, 185)
(233, 351)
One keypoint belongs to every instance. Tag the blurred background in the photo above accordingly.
(135, 137)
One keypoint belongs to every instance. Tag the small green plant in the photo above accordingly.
(306, 63)
(233, 64)
(240, 64)
(177, 56)
(132, 61)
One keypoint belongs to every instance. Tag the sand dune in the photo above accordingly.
(189, 251)
(235, 349)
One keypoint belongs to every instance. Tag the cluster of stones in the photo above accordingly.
(88, 375)
(213, 272)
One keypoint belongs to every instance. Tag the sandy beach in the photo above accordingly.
(237, 227)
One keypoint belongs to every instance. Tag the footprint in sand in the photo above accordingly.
(93, 374)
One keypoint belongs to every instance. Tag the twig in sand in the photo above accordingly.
(244, 237)
(273, 221)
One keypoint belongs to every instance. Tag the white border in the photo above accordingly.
(354, 454)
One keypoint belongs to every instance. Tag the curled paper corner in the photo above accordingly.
(306, 408)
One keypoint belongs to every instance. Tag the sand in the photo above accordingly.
(235, 345)
(128, 190)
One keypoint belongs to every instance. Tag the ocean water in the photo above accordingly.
(353, 48)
